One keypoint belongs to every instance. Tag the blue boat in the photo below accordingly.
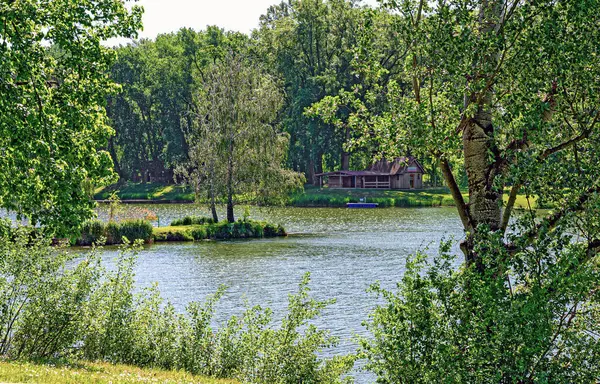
(362, 205)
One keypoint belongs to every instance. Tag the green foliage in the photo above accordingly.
(92, 231)
(114, 206)
(151, 114)
(180, 233)
(241, 229)
(112, 232)
(236, 147)
(87, 312)
(192, 220)
(310, 45)
(54, 86)
(45, 304)
(136, 229)
(97, 232)
(526, 318)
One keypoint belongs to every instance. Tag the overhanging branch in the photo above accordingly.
(463, 211)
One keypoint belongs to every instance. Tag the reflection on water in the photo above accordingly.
(345, 250)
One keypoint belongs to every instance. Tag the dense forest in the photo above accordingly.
(328, 56)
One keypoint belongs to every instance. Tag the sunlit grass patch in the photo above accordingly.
(97, 373)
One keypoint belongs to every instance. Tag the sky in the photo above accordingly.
(163, 16)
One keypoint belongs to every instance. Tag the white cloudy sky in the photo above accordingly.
(162, 16)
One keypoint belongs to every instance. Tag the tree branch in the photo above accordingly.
(552, 221)
(463, 211)
(512, 198)
(584, 135)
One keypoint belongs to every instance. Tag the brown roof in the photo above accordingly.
(383, 167)
(398, 166)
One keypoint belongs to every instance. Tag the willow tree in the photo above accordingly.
(53, 86)
(235, 147)
(512, 90)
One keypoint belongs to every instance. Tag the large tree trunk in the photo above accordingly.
(485, 203)
(479, 145)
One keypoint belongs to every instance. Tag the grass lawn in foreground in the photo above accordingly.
(97, 373)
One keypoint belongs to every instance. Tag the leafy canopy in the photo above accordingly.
(53, 84)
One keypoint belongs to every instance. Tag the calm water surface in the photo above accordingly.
(345, 250)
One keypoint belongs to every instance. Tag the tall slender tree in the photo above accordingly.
(236, 146)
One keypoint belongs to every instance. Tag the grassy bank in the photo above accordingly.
(195, 230)
(97, 373)
(185, 229)
(431, 197)
(311, 196)
(149, 191)
(317, 197)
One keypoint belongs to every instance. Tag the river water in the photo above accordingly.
(345, 250)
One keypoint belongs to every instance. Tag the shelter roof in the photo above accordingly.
(384, 167)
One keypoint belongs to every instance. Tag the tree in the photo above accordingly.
(308, 44)
(150, 115)
(236, 148)
(53, 85)
(509, 89)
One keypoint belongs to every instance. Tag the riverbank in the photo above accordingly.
(325, 197)
(97, 373)
(147, 192)
(312, 196)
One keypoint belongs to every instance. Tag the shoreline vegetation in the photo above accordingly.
(310, 197)
(187, 229)
(98, 373)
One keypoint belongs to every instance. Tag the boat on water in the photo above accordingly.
(362, 205)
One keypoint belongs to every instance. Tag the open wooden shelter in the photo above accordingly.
(402, 173)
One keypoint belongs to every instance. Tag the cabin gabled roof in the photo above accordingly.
(383, 167)
(398, 166)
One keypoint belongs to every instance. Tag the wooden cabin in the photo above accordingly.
(402, 173)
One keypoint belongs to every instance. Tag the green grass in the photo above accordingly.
(317, 197)
(430, 197)
(97, 373)
(149, 191)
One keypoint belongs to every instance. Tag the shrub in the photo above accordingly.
(524, 317)
(192, 220)
(94, 231)
(113, 233)
(241, 229)
(91, 233)
(136, 230)
(44, 304)
(199, 233)
(51, 311)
